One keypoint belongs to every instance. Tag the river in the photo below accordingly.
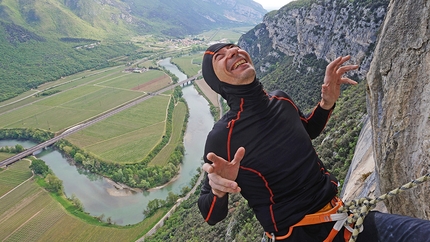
(93, 190)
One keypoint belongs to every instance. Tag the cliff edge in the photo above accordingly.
(399, 106)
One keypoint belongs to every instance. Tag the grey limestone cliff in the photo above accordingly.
(326, 29)
(399, 104)
(394, 146)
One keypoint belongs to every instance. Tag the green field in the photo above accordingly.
(14, 175)
(81, 97)
(5, 156)
(226, 35)
(128, 136)
(29, 213)
(190, 64)
(178, 122)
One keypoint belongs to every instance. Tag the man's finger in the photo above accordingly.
(208, 167)
(333, 65)
(240, 153)
(342, 70)
(222, 184)
(345, 80)
(214, 158)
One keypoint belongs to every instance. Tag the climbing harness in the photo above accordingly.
(358, 209)
(327, 214)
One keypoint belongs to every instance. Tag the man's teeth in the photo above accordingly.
(239, 63)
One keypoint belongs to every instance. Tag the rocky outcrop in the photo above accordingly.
(326, 29)
(362, 179)
(399, 104)
(397, 72)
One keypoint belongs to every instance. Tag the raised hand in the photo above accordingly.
(222, 174)
(333, 79)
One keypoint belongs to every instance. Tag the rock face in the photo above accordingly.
(326, 29)
(399, 104)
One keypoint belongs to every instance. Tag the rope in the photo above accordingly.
(361, 207)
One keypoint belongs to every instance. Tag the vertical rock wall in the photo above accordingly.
(399, 104)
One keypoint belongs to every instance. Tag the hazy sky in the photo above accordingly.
(272, 4)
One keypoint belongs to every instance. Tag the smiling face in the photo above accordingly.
(233, 65)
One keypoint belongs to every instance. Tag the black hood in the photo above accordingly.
(227, 91)
(208, 70)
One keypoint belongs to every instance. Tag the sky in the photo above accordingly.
(270, 5)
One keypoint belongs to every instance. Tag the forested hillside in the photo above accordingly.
(29, 60)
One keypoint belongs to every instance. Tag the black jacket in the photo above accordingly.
(281, 176)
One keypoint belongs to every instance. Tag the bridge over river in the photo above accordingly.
(101, 117)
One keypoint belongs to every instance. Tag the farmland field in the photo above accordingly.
(127, 136)
(227, 35)
(80, 98)
(190, 64)
(178, 122)
(29, 213)
(14, 175)
(131, 80)
(5, 155)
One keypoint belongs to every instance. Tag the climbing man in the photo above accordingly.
(262, 148)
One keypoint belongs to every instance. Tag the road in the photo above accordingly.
(79, 127)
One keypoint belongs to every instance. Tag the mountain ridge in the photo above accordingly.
(121, 19)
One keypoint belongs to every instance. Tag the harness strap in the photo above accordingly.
(327, 214)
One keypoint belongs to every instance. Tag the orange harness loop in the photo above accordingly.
(327, 214)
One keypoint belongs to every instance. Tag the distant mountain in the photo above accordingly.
(40, 41)
(122, 18)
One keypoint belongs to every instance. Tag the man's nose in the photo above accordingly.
(232, 51)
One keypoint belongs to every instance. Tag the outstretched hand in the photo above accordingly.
(333, 79)
(222, 174)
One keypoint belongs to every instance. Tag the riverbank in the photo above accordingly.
(210, 95)
(168, 183)
(160, 223)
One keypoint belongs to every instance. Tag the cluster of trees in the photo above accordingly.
(240, 224)
(156, 204)
(48, 93)
(302, 81)
(36, 135)
(336, 145)
(53, 183)
(14, 149)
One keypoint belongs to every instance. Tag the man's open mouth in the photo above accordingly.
(237, 64)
